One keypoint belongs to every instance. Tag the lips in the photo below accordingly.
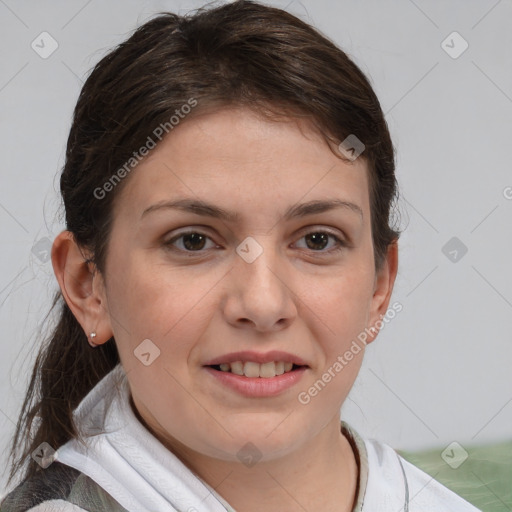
(257, 387)
(254, 364)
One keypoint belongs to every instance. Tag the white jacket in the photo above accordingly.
(135, 469)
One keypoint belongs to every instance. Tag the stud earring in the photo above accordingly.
(92, 336)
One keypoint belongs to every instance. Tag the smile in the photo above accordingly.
(253, 369)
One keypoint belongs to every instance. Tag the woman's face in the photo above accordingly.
(253, 264)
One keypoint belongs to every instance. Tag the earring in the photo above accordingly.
(91, 342)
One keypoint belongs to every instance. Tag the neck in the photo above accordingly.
(322, 475)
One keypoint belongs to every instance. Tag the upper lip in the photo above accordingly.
(257, 357)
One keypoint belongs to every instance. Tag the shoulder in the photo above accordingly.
(52, 483)
(426, 492)
(392, 477)
(59, 488)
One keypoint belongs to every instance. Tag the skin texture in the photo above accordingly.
(298, 296)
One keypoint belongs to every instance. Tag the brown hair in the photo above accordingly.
(241, 53)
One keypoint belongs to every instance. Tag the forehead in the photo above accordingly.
(238, 158)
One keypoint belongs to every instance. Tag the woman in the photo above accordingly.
(228, 187)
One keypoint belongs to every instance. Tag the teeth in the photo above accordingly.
(237, 367)
(268, 370)
(252, 369)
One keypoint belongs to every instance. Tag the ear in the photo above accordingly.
(82, 287)
(383, 288)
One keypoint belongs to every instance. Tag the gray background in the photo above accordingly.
(441, 370)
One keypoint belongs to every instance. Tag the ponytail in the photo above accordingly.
(65, 370)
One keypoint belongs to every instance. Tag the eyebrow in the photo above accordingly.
(210, 210)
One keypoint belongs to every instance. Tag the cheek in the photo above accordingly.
(340, 314)
(167, 305)
(341, 303)
(160, 304)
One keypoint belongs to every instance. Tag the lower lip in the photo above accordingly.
(258, 387)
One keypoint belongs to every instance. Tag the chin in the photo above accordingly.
(254, 441)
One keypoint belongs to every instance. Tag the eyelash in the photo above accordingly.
(340, 244)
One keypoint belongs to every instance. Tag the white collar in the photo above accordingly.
(131, 464)
(126, 460)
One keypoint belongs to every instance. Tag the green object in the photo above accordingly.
(484, 478)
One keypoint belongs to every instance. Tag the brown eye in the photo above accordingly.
(318, 241)
(191, 241)
(194, 241)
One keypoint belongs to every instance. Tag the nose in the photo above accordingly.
(260, 293)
